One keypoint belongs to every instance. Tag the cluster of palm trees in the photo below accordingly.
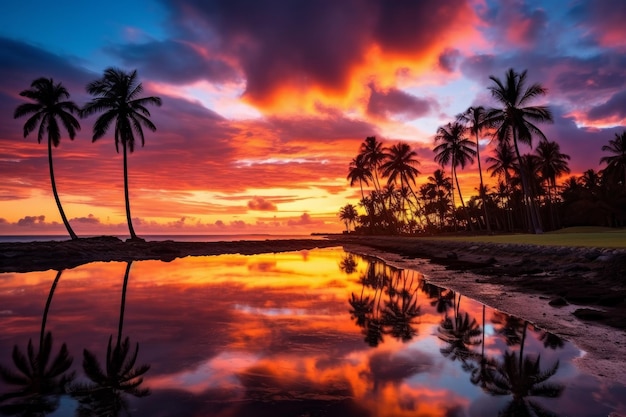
(116, 97)
(526, 196)
(390, 304)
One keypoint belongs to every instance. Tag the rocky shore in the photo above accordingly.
(577, 293)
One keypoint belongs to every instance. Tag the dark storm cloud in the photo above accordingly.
(304, 43)
(616, 106)
(386, 104)
(174, 62)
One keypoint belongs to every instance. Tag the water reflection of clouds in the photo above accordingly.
(228, 332)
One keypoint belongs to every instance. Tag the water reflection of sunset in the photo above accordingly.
(293, 332)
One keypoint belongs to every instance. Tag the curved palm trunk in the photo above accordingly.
(453, 202)
(482, 187)
(56, 195)
(47, 308)
(133, 236)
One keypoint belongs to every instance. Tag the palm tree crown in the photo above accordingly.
(616, 163)
(50, 105)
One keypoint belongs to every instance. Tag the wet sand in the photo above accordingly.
(576, 293)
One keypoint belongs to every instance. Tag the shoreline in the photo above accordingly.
(576, 293)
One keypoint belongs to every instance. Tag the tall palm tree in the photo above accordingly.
(456, 150)
(476, 118)
(373, 155)
(359, 171)
(51, 105)
(516, 120)
(552, 164)
(616, 163)
(117, 96)
(401, 164)
(503, 164)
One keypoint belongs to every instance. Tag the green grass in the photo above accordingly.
(598, 237)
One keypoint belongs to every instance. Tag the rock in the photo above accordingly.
(452, 255)
(473, 247)
(558, 302)
(590, 314)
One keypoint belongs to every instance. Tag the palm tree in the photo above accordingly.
(117, 96)
(51, 105)
(476, 118)
(616, 164)
(454, 149)
(400, 164)
(442, 186)
(502, 165)
(552, 164)
(516, 120)
(373, 155)
(348, 215)
(359, 171)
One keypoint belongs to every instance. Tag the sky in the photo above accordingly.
(266, 102)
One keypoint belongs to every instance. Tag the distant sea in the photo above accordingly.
(156, 238)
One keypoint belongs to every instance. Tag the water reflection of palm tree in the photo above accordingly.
(348, 264)
(40, 380)
(401, 309)
(459, 333)
(522, 377)
(103, 396)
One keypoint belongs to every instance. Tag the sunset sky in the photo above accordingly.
(266, 102)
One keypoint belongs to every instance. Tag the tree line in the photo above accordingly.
(526, 196)
(116, 98)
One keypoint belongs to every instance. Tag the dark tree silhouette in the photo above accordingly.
(117, 96)
(516, 121)
(616, 163)
(51, 105)
(454, 149)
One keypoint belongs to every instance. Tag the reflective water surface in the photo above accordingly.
(312, 333)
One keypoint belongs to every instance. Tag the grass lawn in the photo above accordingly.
(599, 237)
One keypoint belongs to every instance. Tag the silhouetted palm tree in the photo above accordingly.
(516, 120)
(359, 171)
(117, 96)
(503, 165)
(456, 150)
(373, 155)
(348, 215)
(552, 164)
(51, 106)
(401, 164)
(616, 163)
(476, 118)
(40, 380)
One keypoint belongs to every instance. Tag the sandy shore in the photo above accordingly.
(589, 285)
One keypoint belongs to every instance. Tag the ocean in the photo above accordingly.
(158, 238)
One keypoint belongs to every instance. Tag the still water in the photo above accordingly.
(311, 333)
